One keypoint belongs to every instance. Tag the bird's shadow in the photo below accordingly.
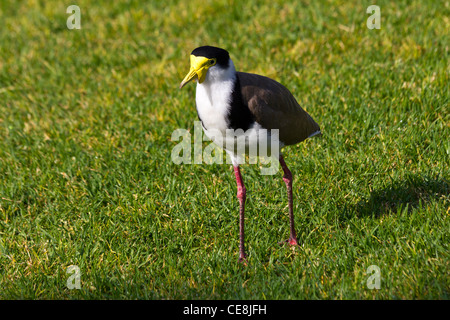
(409, 192)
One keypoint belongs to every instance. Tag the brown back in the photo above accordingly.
(274, 107)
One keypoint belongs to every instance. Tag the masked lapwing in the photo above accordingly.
(230, 101)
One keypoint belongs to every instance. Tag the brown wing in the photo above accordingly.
(274, 107)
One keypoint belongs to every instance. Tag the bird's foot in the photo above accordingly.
(243, 260)
(291, 241)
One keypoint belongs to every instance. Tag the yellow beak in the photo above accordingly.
(199, 67)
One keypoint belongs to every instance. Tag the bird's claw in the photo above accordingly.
(291, 241)
(243, 260)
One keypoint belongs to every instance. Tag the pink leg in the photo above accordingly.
(288, 180)
(241, 192)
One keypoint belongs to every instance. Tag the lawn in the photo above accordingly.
(86, 177)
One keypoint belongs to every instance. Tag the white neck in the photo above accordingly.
(216, 74)
(214, 96)
(218, 85)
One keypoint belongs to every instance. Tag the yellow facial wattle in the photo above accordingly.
(199, 67)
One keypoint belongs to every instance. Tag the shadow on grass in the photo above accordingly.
(409, 192)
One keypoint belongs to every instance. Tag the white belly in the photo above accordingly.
(256, 142)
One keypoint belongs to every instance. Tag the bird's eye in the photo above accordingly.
(211, 62)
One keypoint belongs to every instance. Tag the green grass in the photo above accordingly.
(86, 178)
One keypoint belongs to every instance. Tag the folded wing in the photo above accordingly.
(274, 107)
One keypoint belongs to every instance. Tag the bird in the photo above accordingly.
(232, 101)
